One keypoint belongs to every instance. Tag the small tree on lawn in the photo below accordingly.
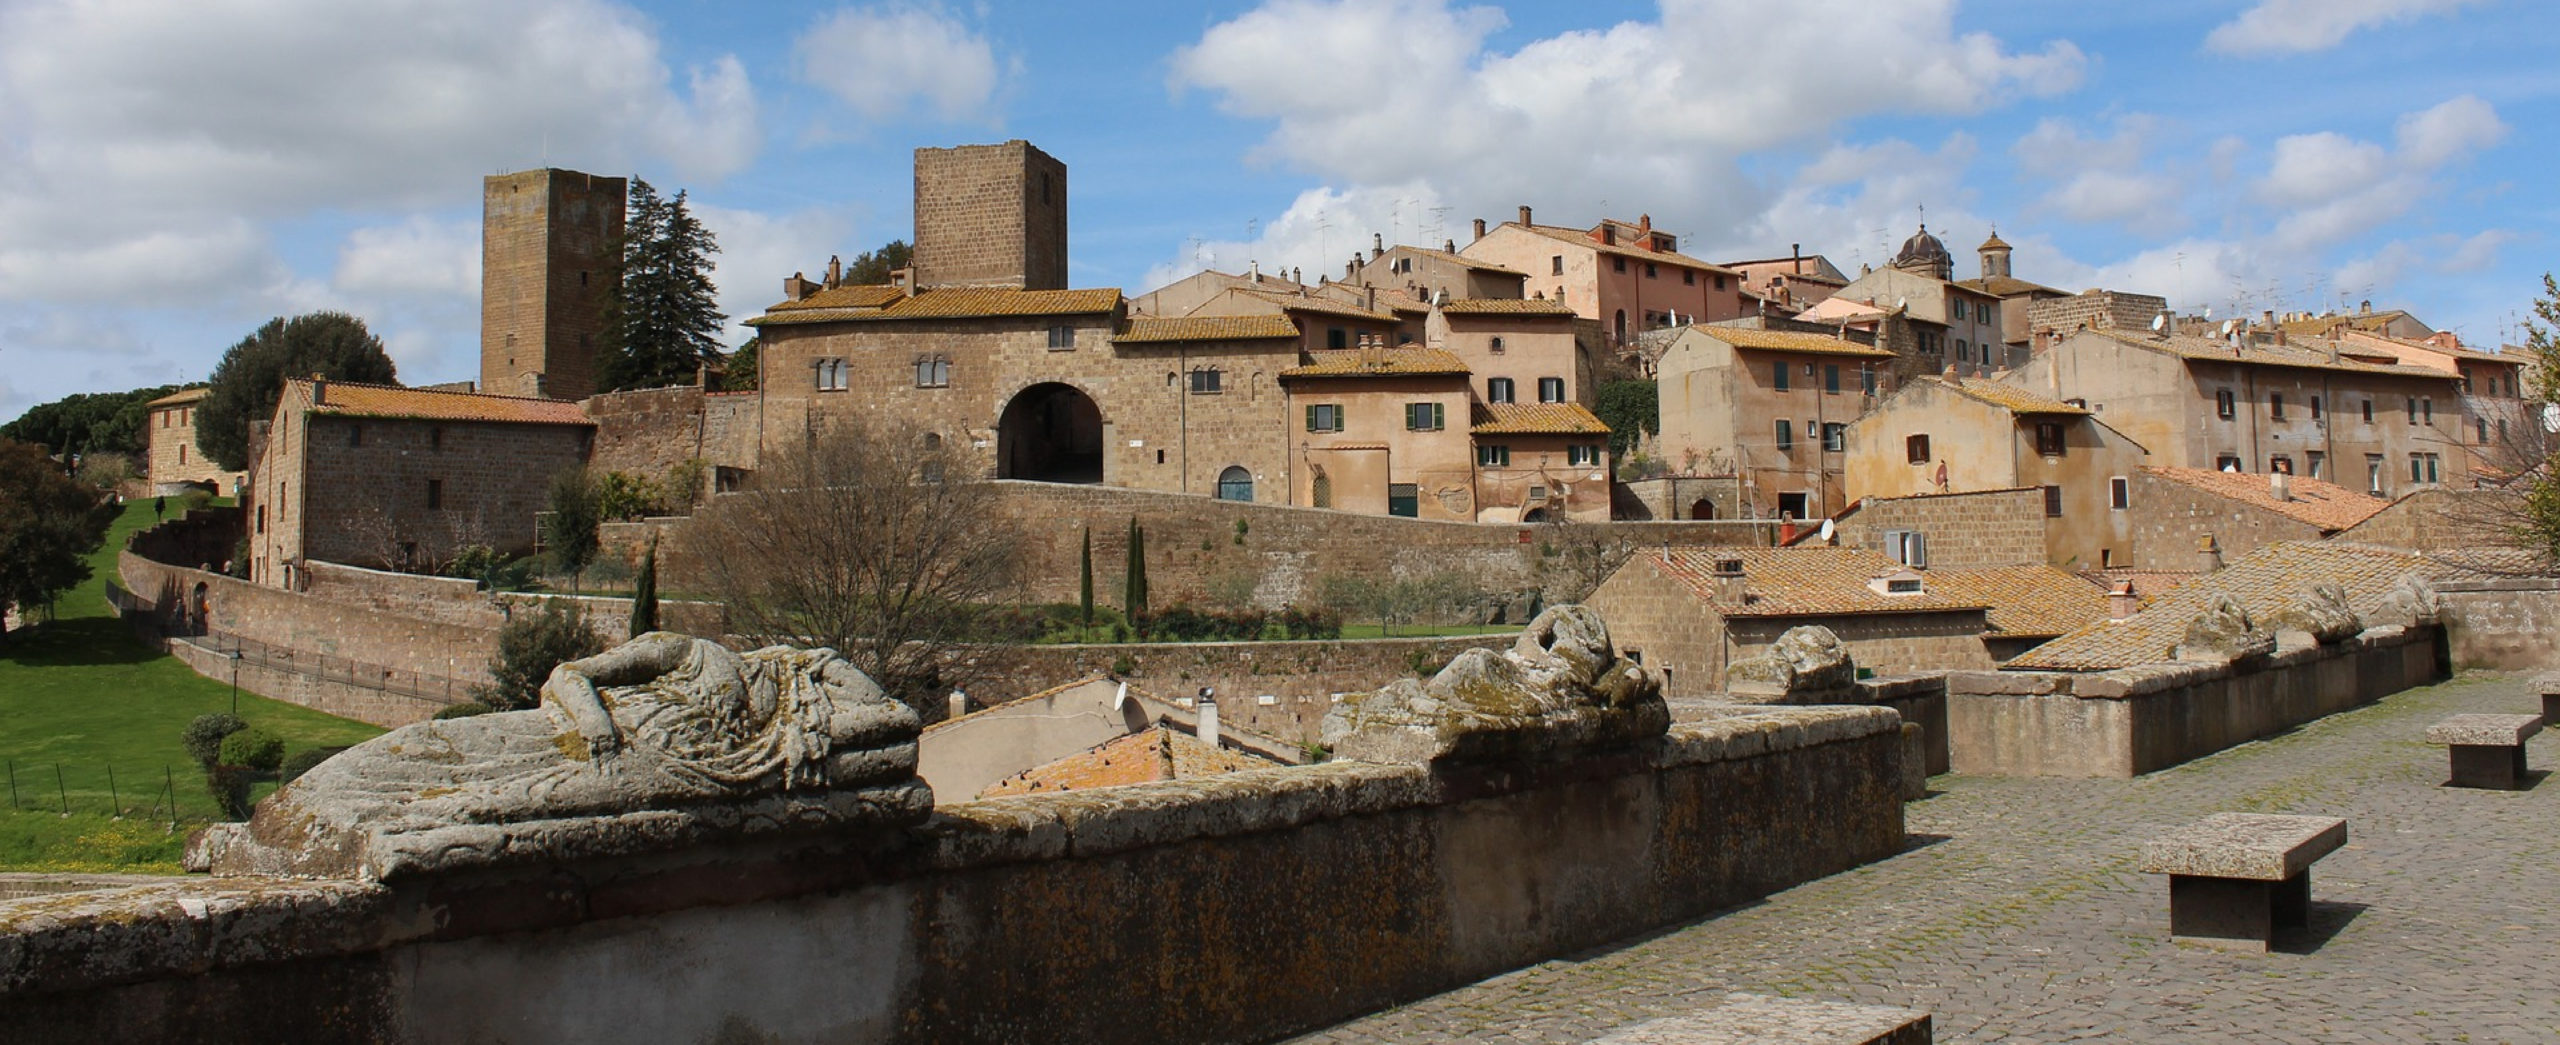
(569, 532)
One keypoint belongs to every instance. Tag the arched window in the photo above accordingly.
(1235, 484)
(933, 372)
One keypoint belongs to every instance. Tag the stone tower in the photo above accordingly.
(1995, 257)
(547, 241)
(990, 216)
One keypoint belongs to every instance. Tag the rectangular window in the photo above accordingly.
(435, 438)
(2431, 468)
(2368, 411)
(1617, 264)
(1206, 381)
(2222, 404)
(2119, 493)
(1404, 499)
(2280, 464)
(1324, 417)
(2427, 406)
(1835, 437)
(1786, 435)
(1867, 378)
(2053, 502)
(1916, 449)
(1649, 272)
(2275, 405)
(1336, 337)
(1831, 378)
(1551, 390)
(2417, 472)
(2373, 474)
(435, 494)
(831, 375)
(355, 435)
(2317, 462)
(2315, 408)
(1497, 390)
(1982, 313)
(1582, 455)
(1964, 351)
(1956, 307)
(1424, 417)
(1062, 338)
(182, 447)
(2412, 412)
(2049, 439)
(1557, 265)
(2226, 463)
(934, 372)
(1778, 375)
(2482, 422)
(1490, 455)
(1688, 278)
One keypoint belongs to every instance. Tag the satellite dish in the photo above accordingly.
(1902, 302)
(2551, 417)
(2227, 325)
(1827, 529)
(2159, 321)
(2231, 467)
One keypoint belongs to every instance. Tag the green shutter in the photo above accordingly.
(1311, 419)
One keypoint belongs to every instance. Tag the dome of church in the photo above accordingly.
(1922, 249)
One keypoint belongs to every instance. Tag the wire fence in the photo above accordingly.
(150, 791)
(177, 624)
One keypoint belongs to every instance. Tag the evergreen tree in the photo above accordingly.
(874, 266)
(738, 372)
(251, 376)
(89, 422)
(1086, 600)
(644, 594)
(49, 523)
(1134, 594)
(663, 321)
(569, 533)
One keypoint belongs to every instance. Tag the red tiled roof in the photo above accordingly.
(1582, 238)
(1406, 361)
(181, 397)
(1144, 330)
(1536, 419)
(2321, 503)
(2263, 581)
(1506, 307)
(1804, 582)
(348, 399)
(1790, 341)
(1157, 754)
(938, 303)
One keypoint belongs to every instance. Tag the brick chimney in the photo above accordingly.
(835, 271)
(319, 389)
(1524, 214)
(1479, 228)
(1377, 245)
(2121, 601)
(1730, 586)
(2280, 486)
(797, 286)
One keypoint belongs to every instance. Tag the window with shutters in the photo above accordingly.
(1551, 390)
(1497, 390)
(1493, 455)
(2275, 405)
(1835, 437)
(2223, 404)
(1831, 379)
(2053, 502)
(1778, 375)
(1786, 435)
(1324, 417)
(1582, 456)
(2049, 440)
(1424, 417)
(1916, 449)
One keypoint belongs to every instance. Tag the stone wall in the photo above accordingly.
(546, 255)
(2171, 521)
(649, 432)
(1962, 531)
(2094, 310)
(2510, 624)
(2137, 720)
(991, 215)
(369, 486)
(1239, 908)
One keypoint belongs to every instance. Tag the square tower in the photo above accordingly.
(991, 216)
(548, 243)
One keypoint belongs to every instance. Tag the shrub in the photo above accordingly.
(253, 748)
(465, 709)
(203, 737)
(302, 761)
(1316, 622)
(622, 495)
(196, 498)
(529, 646)
(230, 786)
(492, 569)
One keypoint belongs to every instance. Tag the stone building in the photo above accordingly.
(373, 475)
(1791, 284)
(1953, 531)
(1954, 324)
(547, 267)
(2237, 405)
(990, 216)
(2017, 297)
(172, 460)
(1958, 435)
(1421, 274)
(1627, 277)
(1690, 613)
(2196, 519)
(1771, 407)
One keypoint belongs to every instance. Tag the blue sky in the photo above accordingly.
(173, 173)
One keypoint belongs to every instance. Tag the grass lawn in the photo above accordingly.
(80, 697)
(1422, 631)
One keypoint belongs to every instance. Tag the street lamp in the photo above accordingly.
(235, 683)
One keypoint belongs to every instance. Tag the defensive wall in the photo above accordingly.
(2135, 720)
(1237, 908)
(649, 432)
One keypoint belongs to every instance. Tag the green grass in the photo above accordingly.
(1421, 631)
(80, 697)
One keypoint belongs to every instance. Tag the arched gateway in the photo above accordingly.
(1050, 433)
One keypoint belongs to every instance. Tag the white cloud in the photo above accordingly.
(758, 249)
(2475, 253)
(179, 128)
(418, 256)
(2280, 26)
(1318, 234)
(1641, 117)
(2449, 131)
(2101, 179)
(880, 59)
(2337, 187)
(2317, 168)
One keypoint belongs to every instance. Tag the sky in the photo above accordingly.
(175, 172)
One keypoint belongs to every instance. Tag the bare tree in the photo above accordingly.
(868, 540)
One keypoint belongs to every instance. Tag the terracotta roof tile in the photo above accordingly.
(948, 303)
(2263, 580)
(2321, 503)
(1536, 419)
(850, 295)
(1404, 361)
(348, 399)
(2008, 287)
(181, 397)
(1582, 238)
(1790, 341)
(1322, 306)
(2009, 397)
(2026, 601)
(1157, 754)
(1804, 582)
(1506, 307)
(1207, 328)
(2206, 349)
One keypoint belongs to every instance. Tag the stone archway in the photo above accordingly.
(1050, 433)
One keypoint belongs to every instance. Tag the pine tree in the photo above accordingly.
(1135, 599)
(251, 376)
(1087, 587)
(644, 594)
(664, 321)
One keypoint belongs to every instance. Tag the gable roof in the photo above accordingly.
(1452, 256)
(349, 399)
(855, 304)
(1156, 754)
(2214, 350)
(1582, 238)
(1148, 330)
(181, 397)
(1403, 361)
(2007, 396)
(2263, 581)
(2319, 502)
(1789, 341)
(1318, 305)
(2026, 601)
(1507, 307)
(1536, 419)
(2009, 286)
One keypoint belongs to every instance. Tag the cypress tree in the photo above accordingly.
(1135, 598)
(644, 594)
(1087, 587)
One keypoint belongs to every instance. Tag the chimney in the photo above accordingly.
(2280, 486)
(1253, 270)
(319, 389)
(1448, 246)
(1730, 586)
(1479, 228)
(2269, 317)
(1377, 245)
(1209, 715)
(835, 271)
(2208, 554)
(1644, 222)
(1298, 276)
(1524, 214)
(1351, 268)
(2121, 601)
(797, 287)
(959, 703)
(2365, 309)
(1796, 250)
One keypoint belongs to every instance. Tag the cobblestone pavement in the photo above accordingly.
(2018, 914)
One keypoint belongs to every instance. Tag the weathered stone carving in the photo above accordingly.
(1561, 691)
(2223, 633)
(664, 740)
(2410, 603)
(1807, 664)
(2318, 614)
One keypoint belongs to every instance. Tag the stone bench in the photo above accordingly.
(1755, 1019)
(2488, 750)
(2549, 685)
(2235, 878)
